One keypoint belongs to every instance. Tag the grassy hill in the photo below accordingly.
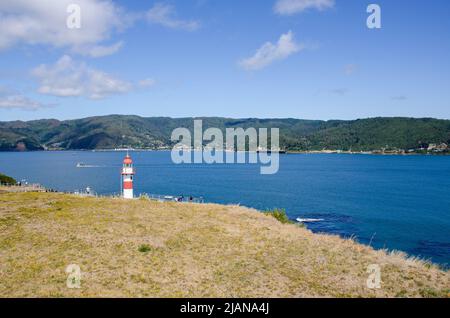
(151, 249)
(116, 131)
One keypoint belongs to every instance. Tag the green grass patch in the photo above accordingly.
(280, 215)
(144, 248)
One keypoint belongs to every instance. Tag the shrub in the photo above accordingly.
(144, 248)
(7, 180)
(280, 215)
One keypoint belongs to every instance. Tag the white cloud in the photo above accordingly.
(44, 22)
(269, 52)
(99, 50)
(290, 7)
(68, 78)
(165, 15)
(20, 102)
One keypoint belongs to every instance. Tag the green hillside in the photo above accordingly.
(118, 131)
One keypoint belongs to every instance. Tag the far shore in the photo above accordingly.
(284, 152)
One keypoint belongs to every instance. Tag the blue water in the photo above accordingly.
(394, 202)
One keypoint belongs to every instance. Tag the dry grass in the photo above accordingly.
(142, 248)
(24, 188)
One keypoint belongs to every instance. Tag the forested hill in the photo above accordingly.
(119, 131)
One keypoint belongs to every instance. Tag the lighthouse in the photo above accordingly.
(127, 177)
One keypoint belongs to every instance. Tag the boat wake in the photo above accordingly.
(82, 165)
(300, 220)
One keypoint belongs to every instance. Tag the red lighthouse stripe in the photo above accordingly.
(128, 185)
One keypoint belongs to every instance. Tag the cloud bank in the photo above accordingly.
(45, 22)
(67, 78)
(18, 101)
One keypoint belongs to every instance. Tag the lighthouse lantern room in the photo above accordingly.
(127, 177)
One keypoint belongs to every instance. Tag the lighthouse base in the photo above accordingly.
(128, 194)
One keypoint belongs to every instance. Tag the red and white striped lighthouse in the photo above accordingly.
(127, 177)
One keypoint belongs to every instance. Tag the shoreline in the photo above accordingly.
(287, 152)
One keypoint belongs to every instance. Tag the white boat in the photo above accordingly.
(300, 220)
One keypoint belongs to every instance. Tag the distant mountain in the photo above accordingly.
(119, 131)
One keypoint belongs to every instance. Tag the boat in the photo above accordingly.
(269, 151)
(300, 220)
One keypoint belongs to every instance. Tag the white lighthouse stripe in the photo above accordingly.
(127, 170)
(128, 193)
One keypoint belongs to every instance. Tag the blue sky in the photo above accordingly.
(200, 58)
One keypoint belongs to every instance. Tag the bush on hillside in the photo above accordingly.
(7, 180)
(280, 215)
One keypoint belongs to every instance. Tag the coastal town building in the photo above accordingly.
(437, 148)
